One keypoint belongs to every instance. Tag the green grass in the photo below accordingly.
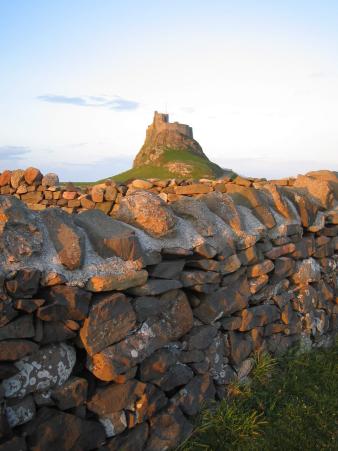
(291, 404)
(201, 167)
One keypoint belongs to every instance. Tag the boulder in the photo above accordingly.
(258, 316)
(117, 281)
(24, 284)
(64, 302)
(20, 234)
(32, 176)
(67, 239)
(109, 237)
(147, 211)
(110, 318)
(131, 440)
(37, 372)
(50, 179)
(321, 190)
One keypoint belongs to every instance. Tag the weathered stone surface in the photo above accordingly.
(260, 268)
(168, 269)
(195, 188)
(17, 177)
(194, 277)
(7, 312)
(20, 235)
(5, 178)
(109, 282)
(46, 368)
(110, 318)
(132, 440)
(278, 251)
(320, 190)
(147, 211)
(72, 393)
(133, 395)
(64, 302)
(22, 327)
(32, 176)
(284, 267)
(62, 431)
(173, 322)
(13, 350)
(258, 283)
(20, 411)
(50, 179)
(65, 236)
(195, 394)
(258, 316)
(232, 323)
(28, 305)
(168, 429)
(200, 337)
(109, 237)
(16, 443)
(154, 287)
(307, 271)
(240, 347)
(230, 264)
(223, 302)
(156, 365)
(25, 283)
(55, 331)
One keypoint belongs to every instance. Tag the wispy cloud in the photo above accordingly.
(115, 103)
(13, 152)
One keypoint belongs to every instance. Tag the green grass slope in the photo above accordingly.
(200, 167)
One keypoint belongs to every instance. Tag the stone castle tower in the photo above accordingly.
(162, 135)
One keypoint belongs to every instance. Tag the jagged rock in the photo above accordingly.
(190, 278)
(28, 305)
(7, 312)
(22, 327)
(65, 236)
(306, 271)
(155, 287)
(260, 268)
(240, 347)
(147, 211)
(168, 269)
(168, 429)
(132, 440)
(55, 331)
(162, 135)
(13, 350)
(20, 411)
(72, 393)
(195, 394)
(37, 372)
(64, 302)
(50, 179)
(32, 176)
(320, 190)
(223, 302)
(60, 431)
(122, 281)
(200, 337)
(173, 322)
(109, 320)
(25, 283)
(258, 316)
(16, 443)
(20, 235)
(109, 237)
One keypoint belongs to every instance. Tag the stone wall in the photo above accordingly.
(114, 331)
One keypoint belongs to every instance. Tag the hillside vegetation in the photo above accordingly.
(197, 167)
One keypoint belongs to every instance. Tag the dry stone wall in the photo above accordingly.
(115, 329)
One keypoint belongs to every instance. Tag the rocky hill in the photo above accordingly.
(170, 151)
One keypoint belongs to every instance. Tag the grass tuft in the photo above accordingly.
(290, 404)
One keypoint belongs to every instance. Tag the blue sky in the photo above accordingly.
(257, 81)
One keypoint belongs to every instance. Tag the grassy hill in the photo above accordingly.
(196, 166)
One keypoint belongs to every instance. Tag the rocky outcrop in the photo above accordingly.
(162, 135)
(115, 331)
